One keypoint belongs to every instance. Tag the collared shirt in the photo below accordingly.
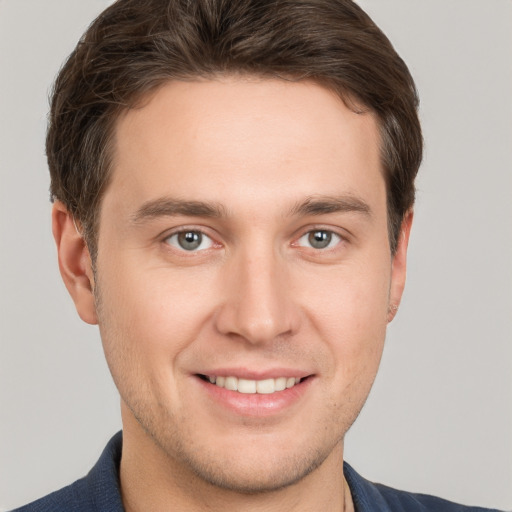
(99, 491)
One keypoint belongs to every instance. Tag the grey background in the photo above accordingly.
(439, 419)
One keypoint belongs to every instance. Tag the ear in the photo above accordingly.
(74, 262)
(399, 266)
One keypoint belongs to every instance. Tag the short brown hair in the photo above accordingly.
(134, 46)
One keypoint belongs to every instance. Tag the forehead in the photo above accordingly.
(215, 140)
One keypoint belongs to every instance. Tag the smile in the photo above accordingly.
(247, 386)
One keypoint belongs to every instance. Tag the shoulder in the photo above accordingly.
(371, 497)
(98, 491)
(401, 500)
(73, 498)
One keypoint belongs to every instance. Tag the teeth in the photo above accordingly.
(231, 383)
(246, 386)
(280, 384)
(266, 387)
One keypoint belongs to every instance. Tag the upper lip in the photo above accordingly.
(249, 374)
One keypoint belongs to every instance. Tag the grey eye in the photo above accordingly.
(320, 239)
(190, 241)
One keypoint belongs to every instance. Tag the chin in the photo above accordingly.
(254, 475)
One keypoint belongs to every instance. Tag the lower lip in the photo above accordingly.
(256, 404)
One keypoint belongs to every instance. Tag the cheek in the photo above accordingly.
(153, 314)
(348, 308)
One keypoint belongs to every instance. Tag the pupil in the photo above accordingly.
(320, 239)
(190, 240)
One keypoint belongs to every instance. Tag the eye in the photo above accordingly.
(190, 240)
(319, 239)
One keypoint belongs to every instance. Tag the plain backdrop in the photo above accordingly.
(439, 419)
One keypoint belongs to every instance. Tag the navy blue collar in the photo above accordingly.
(103, 480)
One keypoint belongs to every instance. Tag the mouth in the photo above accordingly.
(251, 387)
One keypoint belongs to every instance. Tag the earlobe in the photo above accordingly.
(74, 262)
(399, 266)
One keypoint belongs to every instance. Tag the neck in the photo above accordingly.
(152, 480)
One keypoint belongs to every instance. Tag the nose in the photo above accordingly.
(258, 303)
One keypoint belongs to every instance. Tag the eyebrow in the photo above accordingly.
(320, 205)
(168, 207)
(313, 205)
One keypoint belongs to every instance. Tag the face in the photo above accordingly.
(244, 277)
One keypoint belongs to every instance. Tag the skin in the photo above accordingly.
(256, 296)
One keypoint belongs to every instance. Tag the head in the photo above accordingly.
(243, 174)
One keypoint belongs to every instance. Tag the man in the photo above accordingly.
(233, 186)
